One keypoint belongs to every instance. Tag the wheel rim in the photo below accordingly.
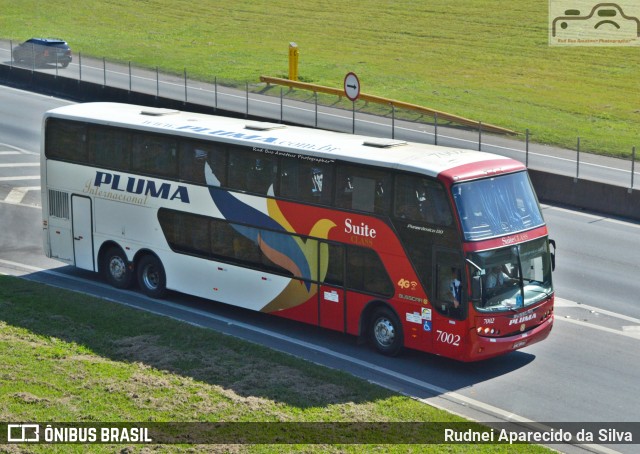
(117, 268)
(384, 332)
(150, 277)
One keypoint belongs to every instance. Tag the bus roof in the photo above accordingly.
(452, 164)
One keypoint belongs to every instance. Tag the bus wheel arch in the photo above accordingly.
(382, 328)
(114, 265)
(151, 275)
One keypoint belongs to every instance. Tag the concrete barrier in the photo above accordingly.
(82, 91)
(586, 194)
(551, 188)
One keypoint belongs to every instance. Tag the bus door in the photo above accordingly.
(82, 226)
(449, 324)
(332, 295)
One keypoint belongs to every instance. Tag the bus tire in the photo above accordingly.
(385, 332)
(117, 269)
(151, 276)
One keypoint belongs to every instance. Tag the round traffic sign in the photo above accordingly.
(352, 86)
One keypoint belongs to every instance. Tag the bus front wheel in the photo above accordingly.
(116, 269)
(151, 276)
(385, 332)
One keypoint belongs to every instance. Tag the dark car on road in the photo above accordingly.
(43, 51)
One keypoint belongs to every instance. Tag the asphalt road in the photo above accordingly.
(587, 370)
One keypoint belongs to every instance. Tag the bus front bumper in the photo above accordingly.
(488, 347)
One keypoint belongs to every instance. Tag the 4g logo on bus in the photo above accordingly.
(141, 186)
(407, 284)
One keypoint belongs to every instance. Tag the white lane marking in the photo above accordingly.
(17, 194)
(561, 302)
(626, 333)
(21, 164)
(13, 147)
(26, 177)
(632, 332)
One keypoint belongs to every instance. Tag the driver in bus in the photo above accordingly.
(454, 293)
(497, 278)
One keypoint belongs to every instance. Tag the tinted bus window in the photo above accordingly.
(275, 252)
(306, 181)
(186, 233)
(202, 163)
(366, 273)
(251, 171)
(110, 147)
(332, 259)
(363, 189)
(66, 140)
(155, 155)
(421, 200)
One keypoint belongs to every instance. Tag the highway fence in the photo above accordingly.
(276, 99)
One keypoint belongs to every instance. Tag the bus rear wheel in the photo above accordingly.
(151, 276)
(116, 269)
(385, 332)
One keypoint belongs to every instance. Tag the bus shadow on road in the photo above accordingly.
(425, 374)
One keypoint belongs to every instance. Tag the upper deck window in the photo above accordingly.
(497, 206)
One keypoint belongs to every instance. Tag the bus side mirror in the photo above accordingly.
(476, 289)
(553, 254)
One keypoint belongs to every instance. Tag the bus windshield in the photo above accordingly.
(512, 277)
(497, 206)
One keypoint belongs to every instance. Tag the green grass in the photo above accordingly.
(478, 58)
(69, 357)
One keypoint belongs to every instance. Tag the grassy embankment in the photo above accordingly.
(70, 357)
(477, 58)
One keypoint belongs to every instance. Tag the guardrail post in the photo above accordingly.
(130, 76)
(104, 72)
(393, 121)
(185, 85)
(479, 136)
(633, 166)
(157, 83)
(281, 105)
(246, 113)
(315, 98)
(11, 53)
(215, 93)
(526, 149)
(577, 160)
(79, 68)
(435, 127)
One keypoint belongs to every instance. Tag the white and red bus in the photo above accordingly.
(409, 245)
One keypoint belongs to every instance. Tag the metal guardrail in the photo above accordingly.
(396, 104)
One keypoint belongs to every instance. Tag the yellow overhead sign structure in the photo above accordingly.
(293, 61)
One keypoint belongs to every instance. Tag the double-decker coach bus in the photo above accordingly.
(407, 245)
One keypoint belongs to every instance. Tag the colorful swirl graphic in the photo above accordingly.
(270, 231)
